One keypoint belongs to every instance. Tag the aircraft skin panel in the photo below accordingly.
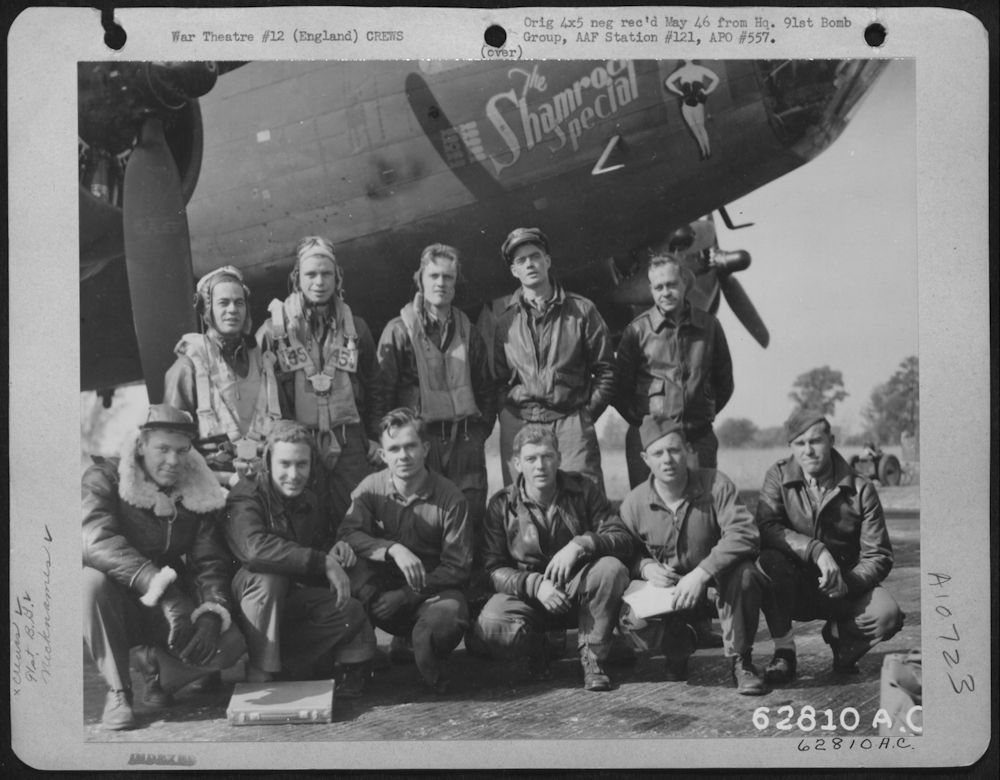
(343, 213)
(248, 103)
(382, 157)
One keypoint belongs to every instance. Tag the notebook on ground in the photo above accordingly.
(647, 600)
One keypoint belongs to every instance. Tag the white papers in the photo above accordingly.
(647, 600)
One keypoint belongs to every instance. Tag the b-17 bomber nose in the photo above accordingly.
(811, 101)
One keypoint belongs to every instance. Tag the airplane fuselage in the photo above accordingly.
(387, 157)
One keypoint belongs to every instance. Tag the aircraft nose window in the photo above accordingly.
(813, 97)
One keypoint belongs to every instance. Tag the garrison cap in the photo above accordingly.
(164, 417)
(655, 428)
(519, 236)
(802, 420)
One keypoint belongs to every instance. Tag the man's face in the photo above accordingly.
(318, 279)
(667, 286)
(812, 449)
(438, 279)
(538, 464)
(163, 454)
(290, 462)
(530, 266)
(667, 458)
(403, 451)
(229, 308)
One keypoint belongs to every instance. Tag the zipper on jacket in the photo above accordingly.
(170, 528)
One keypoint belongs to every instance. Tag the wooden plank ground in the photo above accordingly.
(493, 700)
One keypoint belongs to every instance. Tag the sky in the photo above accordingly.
(834, 271)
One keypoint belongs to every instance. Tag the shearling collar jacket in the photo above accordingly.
(132, 528)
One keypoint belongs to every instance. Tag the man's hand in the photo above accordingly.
(409, 564)
(553, 599)
(373, 453)
(200, 649)
(867, 625)
(344, 554)
(562, 563)
(830, 581)
(388, 604)
(660, 575)
(691, 588)
(177, 609)
(339, 582)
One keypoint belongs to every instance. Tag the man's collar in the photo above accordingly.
(674, 319)
(427, 316)
(565, 483)
(423, 491)
(693, 490)
(841, 472)
(231, 348)
(558, 295)
(280, 504)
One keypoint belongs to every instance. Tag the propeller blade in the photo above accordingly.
(157, 254)
(744, 310)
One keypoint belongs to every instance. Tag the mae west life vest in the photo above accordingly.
(241, 409)
(445, 375)
(324, 398)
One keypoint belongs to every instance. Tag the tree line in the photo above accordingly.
(893, 408)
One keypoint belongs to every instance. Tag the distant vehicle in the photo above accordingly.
(875, 464)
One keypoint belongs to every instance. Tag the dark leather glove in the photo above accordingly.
(204, 640)
(177, 608)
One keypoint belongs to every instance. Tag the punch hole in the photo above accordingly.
(495, 36)
(114, 33)
(875, 34)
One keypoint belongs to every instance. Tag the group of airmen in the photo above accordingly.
(301, 486)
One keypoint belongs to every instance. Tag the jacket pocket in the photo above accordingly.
(666, 398)
(568, 386)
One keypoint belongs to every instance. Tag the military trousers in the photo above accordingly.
(511, 626)
(737, 594)
(114, 620)
(289, 626)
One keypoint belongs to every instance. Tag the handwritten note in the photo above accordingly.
(31, 628)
